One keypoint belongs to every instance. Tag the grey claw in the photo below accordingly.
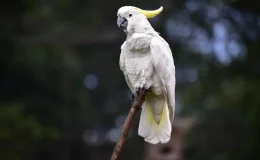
(133, 97)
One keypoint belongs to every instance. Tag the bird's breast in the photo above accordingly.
(138, 66)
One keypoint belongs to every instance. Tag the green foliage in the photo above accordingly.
(48, 48)
(20, 132)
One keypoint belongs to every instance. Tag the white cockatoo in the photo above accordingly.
(147, 63)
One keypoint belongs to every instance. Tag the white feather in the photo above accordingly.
(146, 61)
(155, 124)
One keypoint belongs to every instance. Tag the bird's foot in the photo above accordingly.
(136, 92)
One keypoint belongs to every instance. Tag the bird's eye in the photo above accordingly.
(130, 15)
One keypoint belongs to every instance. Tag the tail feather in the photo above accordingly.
(155, 131)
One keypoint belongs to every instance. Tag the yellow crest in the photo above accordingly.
(150, 14)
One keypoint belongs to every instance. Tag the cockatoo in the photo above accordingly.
(147, 63)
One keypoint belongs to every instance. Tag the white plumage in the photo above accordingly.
(146, 61)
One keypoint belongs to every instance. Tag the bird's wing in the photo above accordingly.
(122, 65)
(163, 63)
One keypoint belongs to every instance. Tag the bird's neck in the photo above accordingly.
(140, 27)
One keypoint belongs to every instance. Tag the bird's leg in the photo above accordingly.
(140, 85)
(137, 91)
(133, 98)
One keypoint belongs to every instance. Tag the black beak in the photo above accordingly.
(122, 23)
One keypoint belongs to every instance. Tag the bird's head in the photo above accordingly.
(131, 18)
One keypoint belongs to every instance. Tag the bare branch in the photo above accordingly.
(138, 101)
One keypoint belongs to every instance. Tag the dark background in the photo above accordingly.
(63, 96)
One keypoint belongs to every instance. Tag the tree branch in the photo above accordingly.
(138, 101)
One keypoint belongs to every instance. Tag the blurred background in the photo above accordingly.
(63, 96)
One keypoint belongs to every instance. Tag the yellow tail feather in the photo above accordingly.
(154, 127)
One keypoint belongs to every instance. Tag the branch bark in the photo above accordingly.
(136, 105)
